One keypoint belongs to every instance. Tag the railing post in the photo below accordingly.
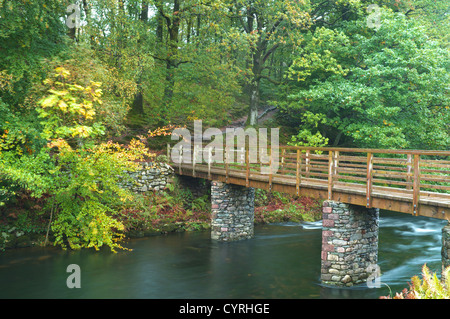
(416, 184)
(270, 170)
(298, 172)
(408, 170)
(193, 161)
(283, 150)
(180, 159)
(330, 174)
(247, 166)
(227, 150)
(369, 182)
(307, 164)
(209, 162)
(336, 162)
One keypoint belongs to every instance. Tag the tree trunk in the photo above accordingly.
(254, 103)
(144, 11)
(254, 87)
(159, 26)
(189, 28)
(170, 83)
(198, 24)
(138, 103)
(171, 62)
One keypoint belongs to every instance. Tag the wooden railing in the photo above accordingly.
(409, 172)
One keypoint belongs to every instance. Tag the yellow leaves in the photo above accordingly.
(58, 93)
(89, 114)
(81, 131)
(97, 84)
(163, 131)
(75, 87)
(62, 106)
(70, 107)
(49, 101)
(61, 71)
(59, 143)
(189, 118)
(86, 109)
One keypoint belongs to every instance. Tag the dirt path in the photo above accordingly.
(263, 116)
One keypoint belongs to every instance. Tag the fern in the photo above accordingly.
(429, 287)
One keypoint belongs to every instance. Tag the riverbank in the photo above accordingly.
(25, 222)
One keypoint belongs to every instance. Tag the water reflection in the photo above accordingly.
(282, 261)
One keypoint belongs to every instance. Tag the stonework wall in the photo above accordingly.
(152, 176)
(232, 211)
(349, 243)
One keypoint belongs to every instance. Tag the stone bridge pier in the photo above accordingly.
(349, 243)
(232, 211)
(349, 234)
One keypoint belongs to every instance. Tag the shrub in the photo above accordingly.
(429, 287)
(275, 207)
(87, 193)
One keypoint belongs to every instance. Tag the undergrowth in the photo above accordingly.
(275, 207)
(429, 287)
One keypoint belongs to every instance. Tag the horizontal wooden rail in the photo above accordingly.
(414, 176)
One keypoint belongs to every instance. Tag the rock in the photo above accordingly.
(346, 279)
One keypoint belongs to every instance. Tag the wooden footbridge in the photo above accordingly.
(407, 181)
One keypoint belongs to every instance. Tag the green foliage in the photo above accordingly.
(86, 69)
(70, 109)
(383, 89)
(29, 31)
(91, 226)
(305, 136)
(147, 64)
(275, 207)
(87, 193)
(27, 172)
(166, 211)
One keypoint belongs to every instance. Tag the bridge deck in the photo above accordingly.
(407, 181)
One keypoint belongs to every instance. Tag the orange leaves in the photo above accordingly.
(59, 143)
(163, 131)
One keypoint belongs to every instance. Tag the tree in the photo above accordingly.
(268, 25)
(29, 31)
(385, 88)
(196, 74)
(121, 39)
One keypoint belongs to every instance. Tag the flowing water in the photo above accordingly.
(281, 261)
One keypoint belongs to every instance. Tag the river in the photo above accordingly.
(282, 261)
